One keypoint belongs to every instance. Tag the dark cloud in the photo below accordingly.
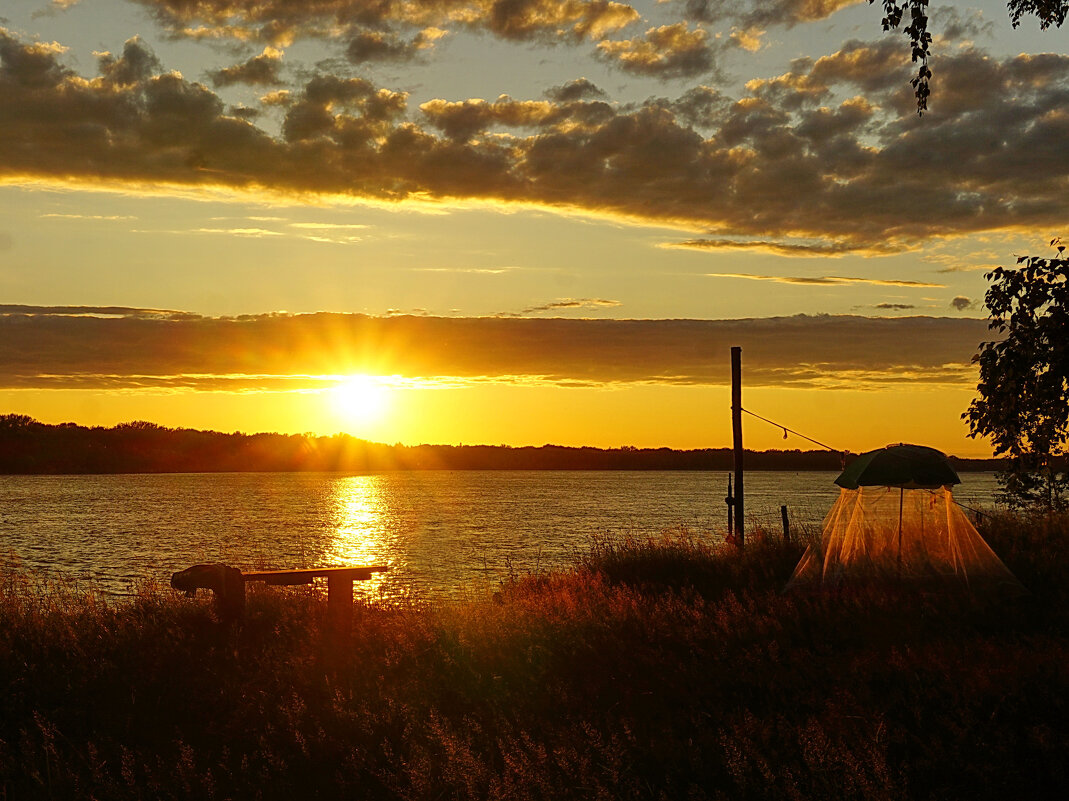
(136, 64)
(961, 303)
(365, 112)
(579, 89)
(365, 46)
(128, 312)
(546, 19)
(262, 70)
(780, 248)
(764, 13)
(462, 121)
(785, 163)
(282, 21)
(75, 349)
(699, 107)
(828, 280)
(244, 113)
(955, 25)
(670, 51)
(895, 306)
(29, 66)
(571, 304)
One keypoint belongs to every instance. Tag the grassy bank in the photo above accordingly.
(667, 669)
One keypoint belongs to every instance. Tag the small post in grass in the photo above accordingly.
(786, 524)
(340, 604)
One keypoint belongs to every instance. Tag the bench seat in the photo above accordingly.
(305, 576)
(228, 586)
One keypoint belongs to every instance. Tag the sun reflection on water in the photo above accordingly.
(361, 527)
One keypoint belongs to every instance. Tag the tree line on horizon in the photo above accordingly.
(28, 447)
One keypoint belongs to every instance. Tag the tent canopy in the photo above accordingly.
(896, 520)
(906, 466)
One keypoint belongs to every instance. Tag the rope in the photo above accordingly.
(977, 512)
(796, 433)
(842, 453)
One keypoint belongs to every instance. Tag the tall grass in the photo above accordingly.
(664, 668)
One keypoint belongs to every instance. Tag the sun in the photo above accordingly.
(361, 399)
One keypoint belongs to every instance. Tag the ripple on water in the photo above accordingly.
(441, 532)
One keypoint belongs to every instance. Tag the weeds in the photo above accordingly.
(653, 668)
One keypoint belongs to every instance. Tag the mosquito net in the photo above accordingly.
(898, 534)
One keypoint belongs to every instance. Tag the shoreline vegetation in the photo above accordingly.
(663, 668)
(30, 447)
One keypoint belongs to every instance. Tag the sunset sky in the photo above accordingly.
(515, 221)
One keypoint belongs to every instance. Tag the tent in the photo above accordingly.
(896, 520)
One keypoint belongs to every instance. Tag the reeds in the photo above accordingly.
(665, 668)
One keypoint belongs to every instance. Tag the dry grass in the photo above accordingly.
(666, 668)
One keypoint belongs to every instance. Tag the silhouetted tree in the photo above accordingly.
(1024, 379)
(1048, 12)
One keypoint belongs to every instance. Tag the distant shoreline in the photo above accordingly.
(28, 447)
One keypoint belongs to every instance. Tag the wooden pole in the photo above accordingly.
(736, 437)
(730, 501)
(786, 524)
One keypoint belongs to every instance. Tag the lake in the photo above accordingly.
(443, 533)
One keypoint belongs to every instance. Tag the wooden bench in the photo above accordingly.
(339, 585)
(228, 585)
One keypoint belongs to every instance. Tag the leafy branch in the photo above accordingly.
(1024, 378)
(1048, 12)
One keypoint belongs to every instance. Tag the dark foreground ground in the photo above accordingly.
(664, 669)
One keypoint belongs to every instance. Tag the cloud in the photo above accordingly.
(785, 163)
(329, 226)
(93, 217)
(699, 107)
(462, 121)
(466, 270)
(961, 303)
(955, 25)
(280, 22)
(763, 13)
(895, 306)
(136, 64)
(313, 232)
(84, 348)
(670, 51)
(365, 46)
(579, 89)
(209, 352)
(128, 312)
(748, 39)
(827, 280)
(254, 233)
(783, 248)
(262, 70)
(570, 304)
(334, 110)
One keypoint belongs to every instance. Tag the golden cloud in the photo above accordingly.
(108, 347)
(282, 21)
(779, 165)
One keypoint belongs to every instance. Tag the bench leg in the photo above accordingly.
(340, 603)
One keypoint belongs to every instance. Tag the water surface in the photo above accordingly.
(441, 532)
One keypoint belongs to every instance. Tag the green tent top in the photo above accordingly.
(907, 466)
